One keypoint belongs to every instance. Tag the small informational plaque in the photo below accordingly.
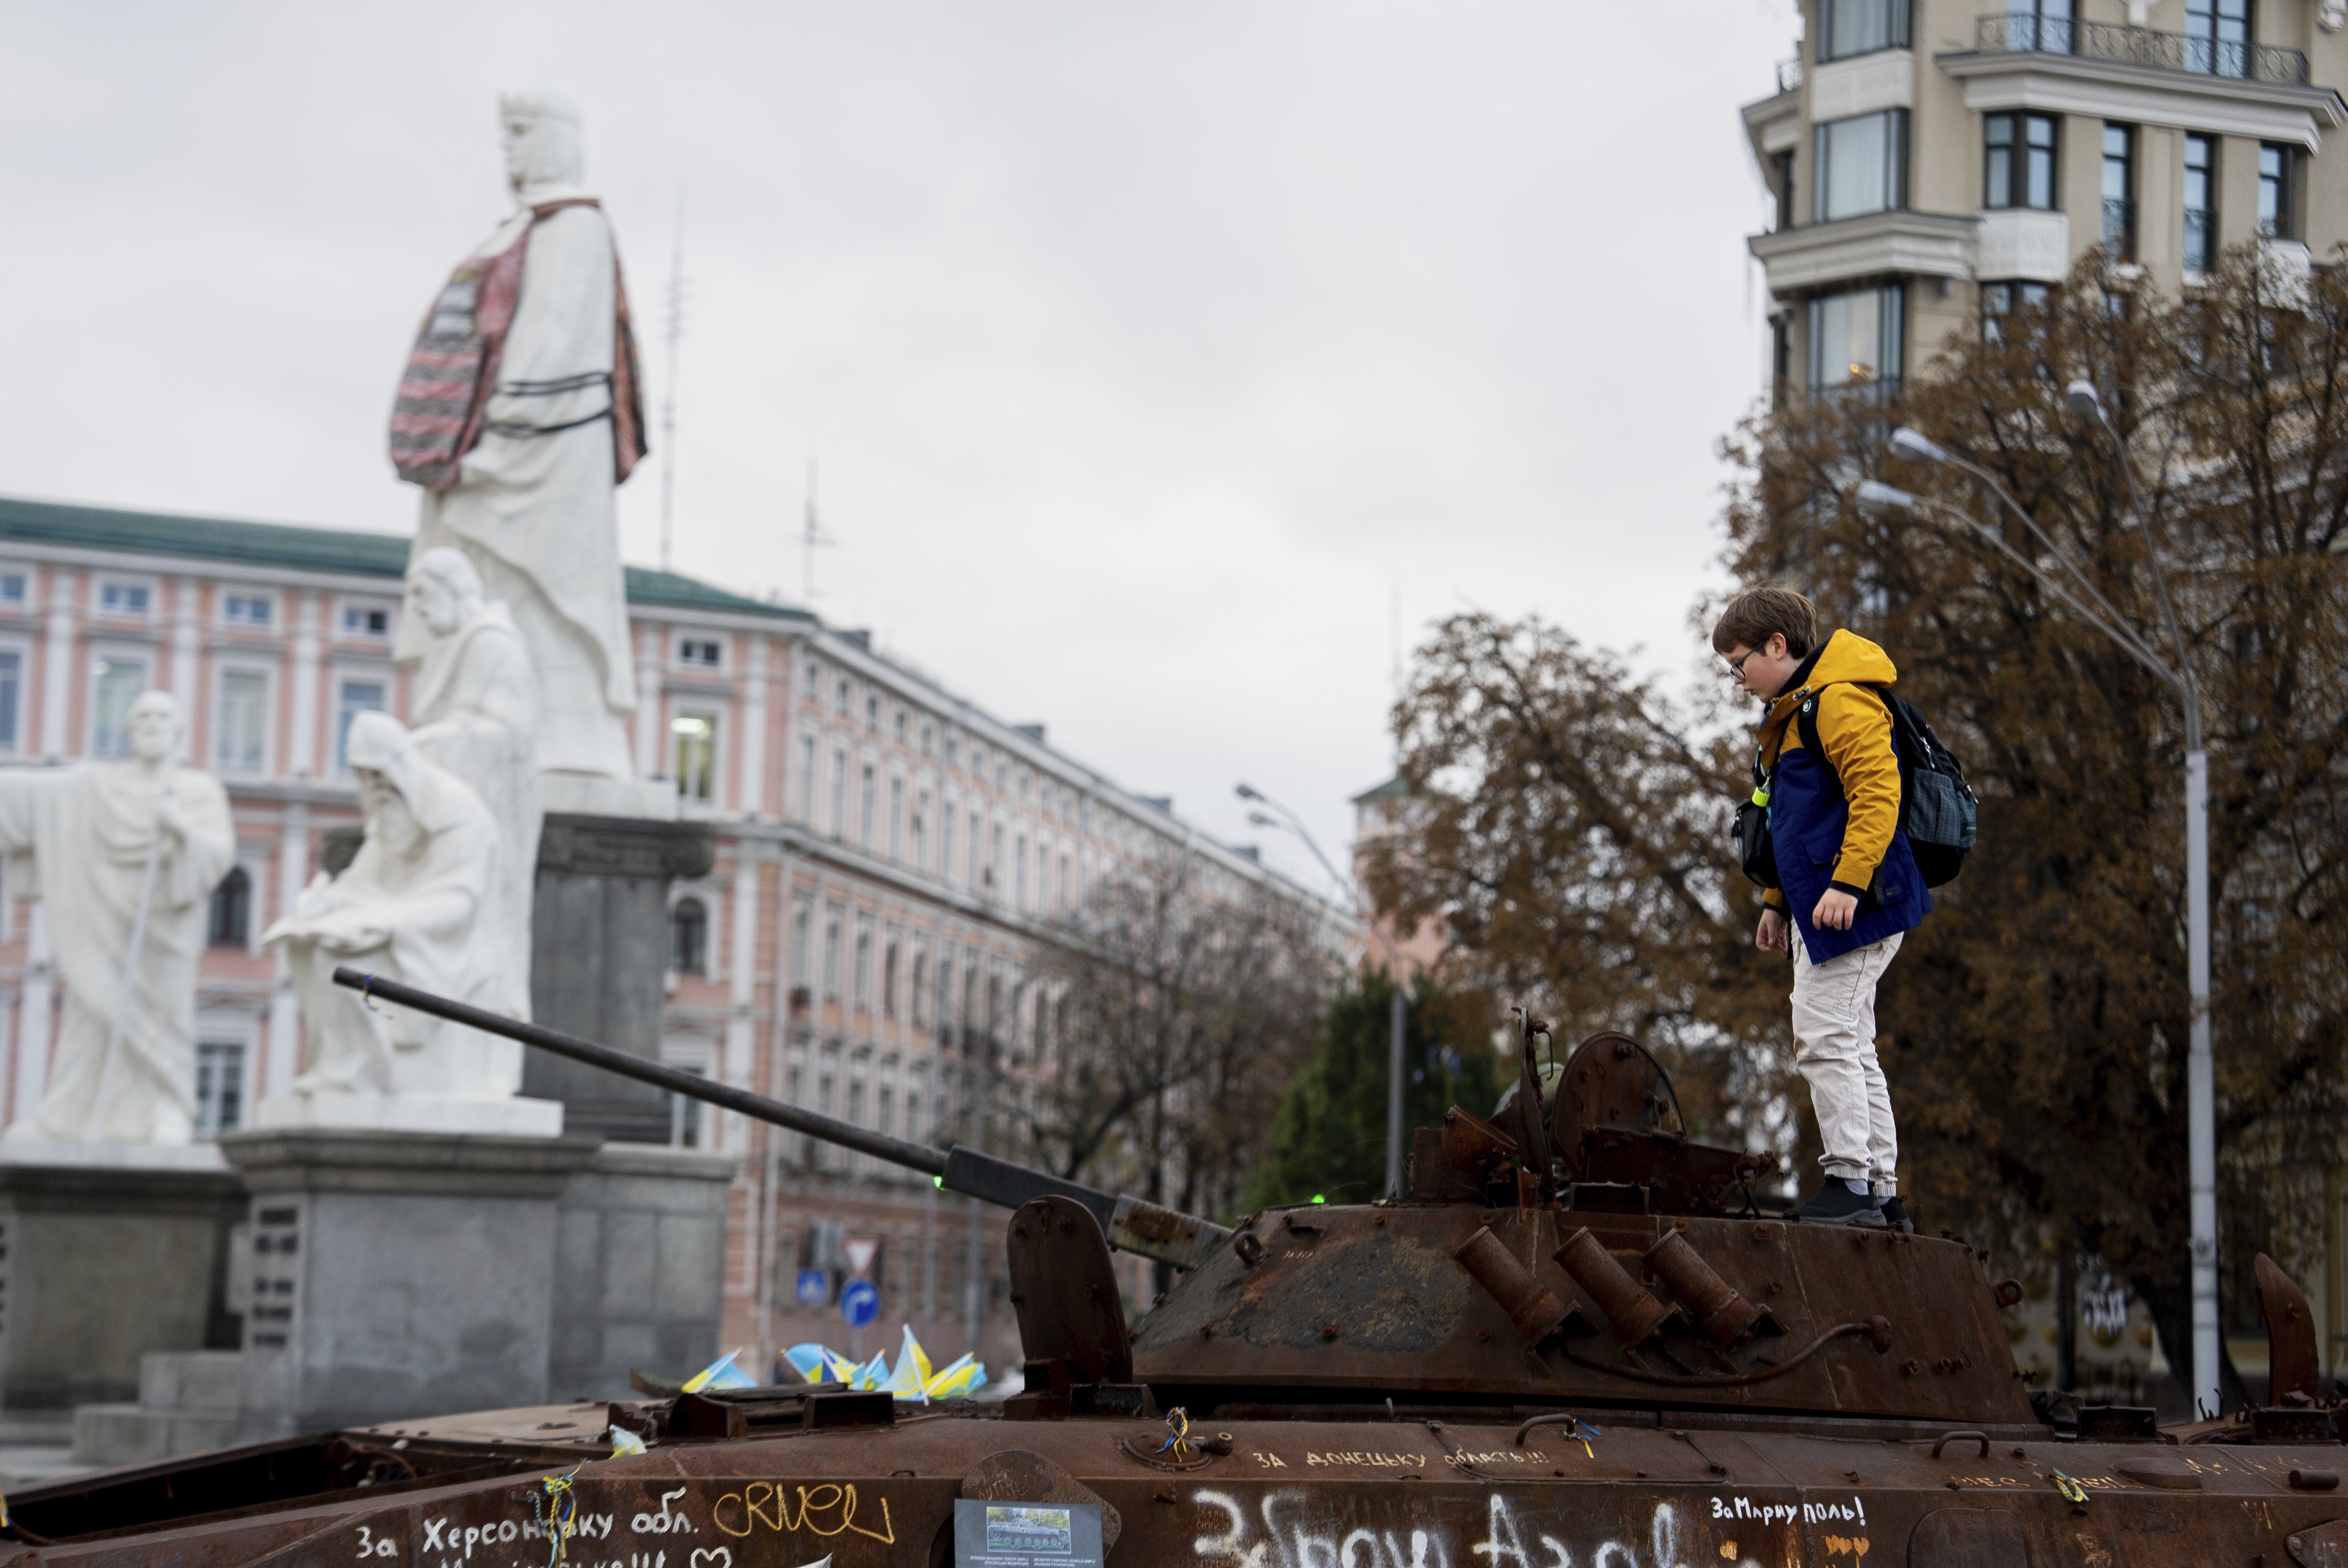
(1027, 1534)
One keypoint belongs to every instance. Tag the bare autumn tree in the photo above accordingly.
(1175, 1010)
(1571, 823)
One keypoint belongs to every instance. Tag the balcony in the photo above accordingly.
(2008, 35)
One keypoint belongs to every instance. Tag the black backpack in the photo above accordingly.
(1937, 807)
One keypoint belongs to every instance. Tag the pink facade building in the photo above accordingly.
(888, 856)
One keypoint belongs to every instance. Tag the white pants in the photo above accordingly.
(1834, 1046)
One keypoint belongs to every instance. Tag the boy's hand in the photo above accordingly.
(1769, 935)
(1836, 910)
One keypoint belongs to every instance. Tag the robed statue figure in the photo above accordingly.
(124, 856)
(521, 410)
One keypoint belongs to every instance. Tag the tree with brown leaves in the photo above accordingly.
(1574, 828)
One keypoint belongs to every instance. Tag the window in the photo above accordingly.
(831, 955)
(839, 695)
(12, 681)
(1781, 172)
(928, 734)
(889, 977)
(241, 726)
(1862, 165)
(920, 1006)
(1848, 27)
(922, 831)
(2041, 24)
(863, 963)
(945, 842)
(2278, 208)
(806, 780)
(872, 713)
(1856, 337)
(352, 698)
(695, 738)
(1019, 872)
(799, 922)
(230, 924)
(896, 818)
(2201, 202)
(700, 650)
(2002, 300)
(2218, 37)
(688, 937)
(2018, 161)
(864, 815)
(686, 1124)
(220, 1087)
(839, 824)
(977, 830)
(12, 589)
(2119, 192)
(116, 684)
(246, 609)
(367, 620)
(953, 749)
(901, 725)
(135, 599)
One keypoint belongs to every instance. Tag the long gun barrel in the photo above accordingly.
(1183, 1240)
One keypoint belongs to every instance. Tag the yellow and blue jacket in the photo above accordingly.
(1838, 826)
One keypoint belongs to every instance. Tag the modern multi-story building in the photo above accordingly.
(889, 855)
(1936, 162)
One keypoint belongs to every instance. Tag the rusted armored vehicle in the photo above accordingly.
(1582, 1341)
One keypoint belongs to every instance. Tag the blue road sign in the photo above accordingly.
(860, 1303)
(814, 1286)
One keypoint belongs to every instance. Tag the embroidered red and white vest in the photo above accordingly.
(453, 368)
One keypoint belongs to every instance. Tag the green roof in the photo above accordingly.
(344, 551)
(1395, 788)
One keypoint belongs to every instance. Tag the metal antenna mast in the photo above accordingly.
(668, 397)
(811, 538)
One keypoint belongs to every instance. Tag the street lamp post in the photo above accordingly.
(2201, 1093)
(1290, 822)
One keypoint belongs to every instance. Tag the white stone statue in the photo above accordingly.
(410, 907)
(520, 411)
(123, 857)
(476, 714)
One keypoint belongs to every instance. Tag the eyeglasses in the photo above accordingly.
(1736, 665)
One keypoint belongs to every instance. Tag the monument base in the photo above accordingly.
(599, 952)
(405, 1273)
(592, 794)
(513, 1118)
(103, 1260)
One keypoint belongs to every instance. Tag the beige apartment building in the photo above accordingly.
(1936, 162)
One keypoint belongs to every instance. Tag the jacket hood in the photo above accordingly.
(1845, 657)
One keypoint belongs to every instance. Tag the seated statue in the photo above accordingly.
(410, 907)
(123, 856)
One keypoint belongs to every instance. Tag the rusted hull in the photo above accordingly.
(1327, 1495)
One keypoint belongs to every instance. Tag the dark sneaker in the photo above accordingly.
(1836, 1204)
(1895, 1215)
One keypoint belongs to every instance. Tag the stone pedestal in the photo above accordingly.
(397, 1274)
(639, 1270)
(517, 1117)
(402, 1274)
(103, 1261)
(598, 959)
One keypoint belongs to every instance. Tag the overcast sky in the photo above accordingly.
(1152, 353)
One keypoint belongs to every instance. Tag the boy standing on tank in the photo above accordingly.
(1849, 888)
